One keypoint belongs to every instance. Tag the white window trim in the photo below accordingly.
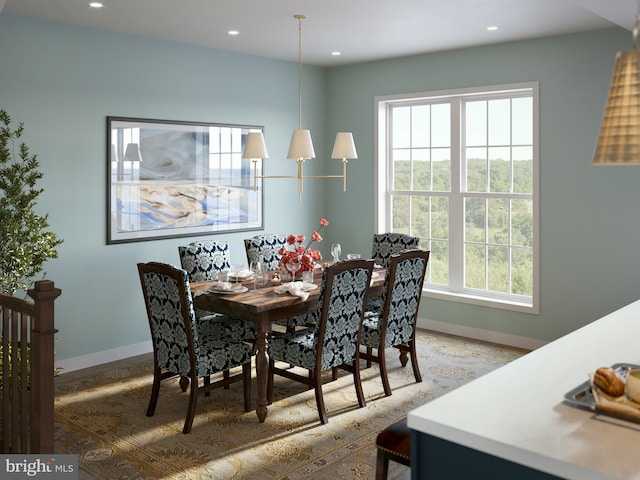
(381, 175)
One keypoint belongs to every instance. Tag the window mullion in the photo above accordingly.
(456, 203)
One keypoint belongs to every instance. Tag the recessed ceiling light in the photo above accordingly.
(336, 54)
(96, 5)
(233, 32)
(492, 28)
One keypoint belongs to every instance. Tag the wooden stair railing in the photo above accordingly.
(26, 388)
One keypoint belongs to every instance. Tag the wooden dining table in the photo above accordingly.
(262, 308)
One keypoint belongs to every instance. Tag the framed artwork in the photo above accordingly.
(178, 179)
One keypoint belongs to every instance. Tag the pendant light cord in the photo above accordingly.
(636, 26)
(300, 18)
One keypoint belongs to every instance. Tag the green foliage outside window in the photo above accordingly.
(496, 230)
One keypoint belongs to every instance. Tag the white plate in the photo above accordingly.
(240, 289)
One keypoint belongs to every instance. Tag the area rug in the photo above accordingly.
(100, 416)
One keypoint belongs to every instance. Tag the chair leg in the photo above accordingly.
(404, 358)
(382, 465)
(207, 382)
(155, 392)
(225, 375)
(414, 361)
(193, 401)
(382, 363)
(246, 385)
(322, 412)
(358, 382)
(184, 383)
(369, 354)
(270, 382)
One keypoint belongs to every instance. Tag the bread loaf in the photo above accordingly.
(607, 380)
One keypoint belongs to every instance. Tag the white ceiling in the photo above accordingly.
(362, 30)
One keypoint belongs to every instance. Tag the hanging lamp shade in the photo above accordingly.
(344, 146)
(255, 146)
(301, 146)
(619, 142)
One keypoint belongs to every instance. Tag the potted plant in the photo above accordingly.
(25, 240)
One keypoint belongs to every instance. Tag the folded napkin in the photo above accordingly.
(294, 288)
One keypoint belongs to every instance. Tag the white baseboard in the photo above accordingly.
(479, 334)
(106, 356)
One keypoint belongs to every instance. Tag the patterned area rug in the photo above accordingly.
(100, 416)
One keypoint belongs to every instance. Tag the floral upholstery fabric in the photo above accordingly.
(203, 261)
(384, 246)
(341, 325)
(174, 326)
(266, 245)
(405, 298)
(387, 244)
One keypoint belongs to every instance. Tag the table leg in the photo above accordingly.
(262, 370)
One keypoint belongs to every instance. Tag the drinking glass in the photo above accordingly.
(256, 269)
(336, 250)
(293, 266)
(235, 270)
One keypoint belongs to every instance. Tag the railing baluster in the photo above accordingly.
(27, 398)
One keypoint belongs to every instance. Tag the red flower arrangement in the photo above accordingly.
(304, 253)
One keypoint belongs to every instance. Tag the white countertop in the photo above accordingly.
(517, 412)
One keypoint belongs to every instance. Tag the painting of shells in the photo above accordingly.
(174, 179)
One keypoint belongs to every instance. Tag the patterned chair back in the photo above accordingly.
(387, 244)
(340, 309)
(267, 245)
(169, 304)
(401, 295)
(203, 260)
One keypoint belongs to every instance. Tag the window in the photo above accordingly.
(459, 170)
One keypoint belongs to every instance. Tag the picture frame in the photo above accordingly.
(170, 179)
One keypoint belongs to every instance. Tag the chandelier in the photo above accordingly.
(301, 146)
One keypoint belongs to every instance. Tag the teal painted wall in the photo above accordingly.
(63, 80)
(588, 214)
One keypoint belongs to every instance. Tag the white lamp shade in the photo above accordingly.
(301, 145)
(344, 146)
(255, 146)
(132, 153)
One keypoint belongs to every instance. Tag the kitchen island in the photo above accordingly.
(514, 423)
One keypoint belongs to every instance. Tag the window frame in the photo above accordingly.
(383, 179)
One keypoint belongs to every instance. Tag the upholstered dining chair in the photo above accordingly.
(387, 244)
(383, 246)
(395, 324)
(183, 346)
(203, 260)
(333, 342)
(266, 245)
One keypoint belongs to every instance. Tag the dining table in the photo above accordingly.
(263, 307)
